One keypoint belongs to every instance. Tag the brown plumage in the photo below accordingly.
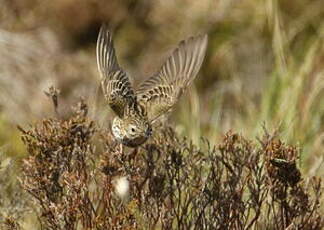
(137, 110)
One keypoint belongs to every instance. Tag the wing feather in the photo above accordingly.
(115, 82)
(161, 91)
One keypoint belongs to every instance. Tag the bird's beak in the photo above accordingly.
(148, 132)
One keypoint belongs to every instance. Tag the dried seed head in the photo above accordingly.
(121, 185)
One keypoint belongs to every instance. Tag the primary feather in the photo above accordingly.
(115, 82)
(161, 91)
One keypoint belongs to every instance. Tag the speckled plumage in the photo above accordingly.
(137, 110)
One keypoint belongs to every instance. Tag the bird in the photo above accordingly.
(138, 109)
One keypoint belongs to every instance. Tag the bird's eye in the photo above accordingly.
(132, 129)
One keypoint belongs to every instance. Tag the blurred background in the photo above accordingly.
(264, 64)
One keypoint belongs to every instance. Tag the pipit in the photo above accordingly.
(138, 109)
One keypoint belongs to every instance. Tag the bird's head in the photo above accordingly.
(134, 131)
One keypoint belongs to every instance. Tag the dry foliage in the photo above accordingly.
(13, 201)
(239, 184)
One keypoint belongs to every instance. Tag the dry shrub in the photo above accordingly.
(73, 169)
(13, 201)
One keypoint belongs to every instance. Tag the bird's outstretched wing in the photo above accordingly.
(161, 91)
(115, 83)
